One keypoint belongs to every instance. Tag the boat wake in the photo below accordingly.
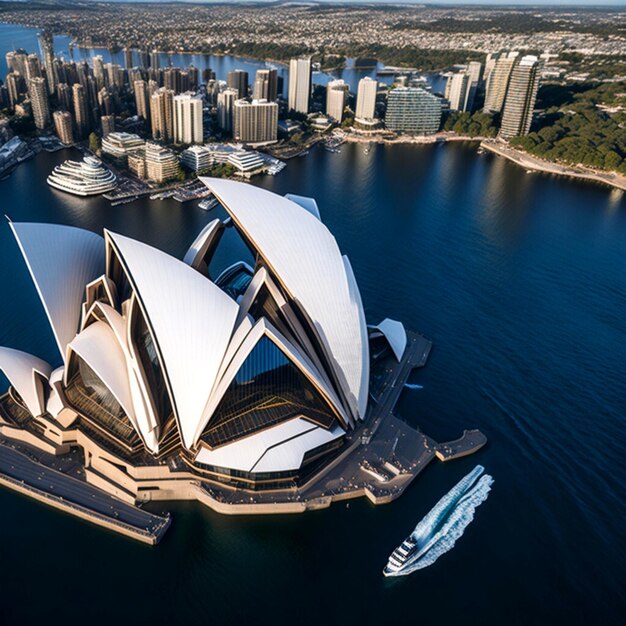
(438, 532)
(413, 386)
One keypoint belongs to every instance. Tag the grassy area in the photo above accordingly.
(576, 128)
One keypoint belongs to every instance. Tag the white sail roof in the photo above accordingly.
(21, 368)
(98, 346)
(191, 320)
(395, 334)
(61, 261)
(304, 256)
(276, 449)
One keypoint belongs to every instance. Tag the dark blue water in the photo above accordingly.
(519, 279)
(13, 36)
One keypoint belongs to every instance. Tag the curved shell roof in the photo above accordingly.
(304, 256)
(395, 334)
(20, 367)
(191, 320)
(61, 261)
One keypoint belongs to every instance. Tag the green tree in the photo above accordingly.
(94, 143)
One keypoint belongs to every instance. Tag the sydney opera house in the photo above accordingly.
(171, 377)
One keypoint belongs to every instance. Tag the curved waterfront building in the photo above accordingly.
(83, 178)
(172, 379)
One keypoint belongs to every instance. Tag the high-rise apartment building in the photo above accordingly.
(107, 125)
(16, 61)
(33, 67)
(155, 62)
(38, 93)
(336, 98)
(475, 72)
(16, 87)
(520, 98)
(63, 126)
(225, 101)
(128, 57)
(162, 114)
(457, 91)
(81, 115)
(255, 122)
(300, 85)
(413, 110)
(265, 85)
(499, 82)
(238, 79)
(188, 119)
(366, 98)
(142, 99)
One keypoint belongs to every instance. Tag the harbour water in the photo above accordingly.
(520, 281)
(13, 36)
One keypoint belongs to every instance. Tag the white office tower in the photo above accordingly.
(475, 71)
(336, 98)
(299, 85)
(366, 99)
(38, 93)
(63, 126)
(265, 85)
(255, 122)
(413, 110)
(499, 82)
(520, 98)
(225, 101)
(457, 90)
(188, 119)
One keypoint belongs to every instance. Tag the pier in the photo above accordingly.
(22, 473)
(468, 443)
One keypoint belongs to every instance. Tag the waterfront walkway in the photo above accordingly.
(60, 490)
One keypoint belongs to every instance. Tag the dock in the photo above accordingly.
(22, 473)
(468, 443)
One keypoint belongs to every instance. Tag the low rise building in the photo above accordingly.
(117, 145)
(161, 163)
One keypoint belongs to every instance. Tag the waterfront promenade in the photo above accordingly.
(24, 474)
(536, 164)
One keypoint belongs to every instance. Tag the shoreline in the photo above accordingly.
(385, 138)
(530, 162)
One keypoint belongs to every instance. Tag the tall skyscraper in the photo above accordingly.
(64, 97)
(299, 85)
(38, 93)
(16, 61)
(499, 82)
(155, 62)
(144, 59)
(265, 85)
(255, 122)
(16, 88)
(475, 72)
(171, 79)
(162, 114)
(81, 116)
(128, 57)
(105, 102)
(107, 125)
(141, 99)
(98, 72)
(63, 126)
(336, 98)
(457, 90)
(238, 79)
(33, 67)
(225, 101)
(188, 119)
(520, 98)
(413, 110)
(366, 98)
(46, 43)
